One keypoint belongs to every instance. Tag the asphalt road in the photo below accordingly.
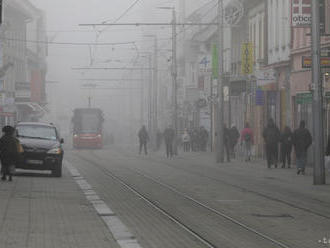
(190, 201)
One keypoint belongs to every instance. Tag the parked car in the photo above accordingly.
(42, 147)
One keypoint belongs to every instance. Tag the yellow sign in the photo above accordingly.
(247, 58)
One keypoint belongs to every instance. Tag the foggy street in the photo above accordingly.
(190, 200)
(165, 123)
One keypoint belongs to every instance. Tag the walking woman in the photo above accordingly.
(8, 152)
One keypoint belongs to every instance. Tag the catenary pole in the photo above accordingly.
(174, 78)
(319, 169)
(155, 91)
(219, 112)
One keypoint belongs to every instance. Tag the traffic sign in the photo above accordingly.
(247, 58)
(307, 62)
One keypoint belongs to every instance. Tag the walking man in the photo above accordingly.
(8, 152)
(247, 141)
(169, 136)
(203, 137)
(301, 140)
(286, 146)
(271, 136)
(233, 139)
(143, 139)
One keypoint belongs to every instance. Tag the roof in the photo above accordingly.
(35, 124)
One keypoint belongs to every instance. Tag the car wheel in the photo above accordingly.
(57, 172)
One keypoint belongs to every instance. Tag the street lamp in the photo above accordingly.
(154, 106)
(174, 76)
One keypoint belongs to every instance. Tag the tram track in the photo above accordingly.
(156, 205)
(243, 189)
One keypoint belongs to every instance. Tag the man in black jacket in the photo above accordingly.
(271, 136)
(301, 140)
(143, 139)
(8, 152)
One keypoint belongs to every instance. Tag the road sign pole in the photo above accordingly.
(319, 169)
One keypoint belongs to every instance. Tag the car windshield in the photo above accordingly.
(36, 132)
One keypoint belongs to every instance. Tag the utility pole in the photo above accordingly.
(220, 102)
(155, 91)
(142, 101)
(150, 96)
(175, 85)
(319, 168)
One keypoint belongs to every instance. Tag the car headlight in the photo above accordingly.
(55, 151)
(75, 136)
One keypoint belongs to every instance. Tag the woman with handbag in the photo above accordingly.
(9, 153)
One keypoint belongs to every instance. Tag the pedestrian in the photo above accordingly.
(186, 140)
(203, 138)
(159, 137)
(301, 140)
(226, 141)
(286, 146)
(271, 135)
(143, 139)
(247, 141)
(9, 153)
(233, 139)
(169, 136)
(195, 142)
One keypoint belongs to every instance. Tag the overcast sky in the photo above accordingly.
(63, 19)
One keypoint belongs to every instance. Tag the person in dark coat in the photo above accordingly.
(286, 146)
(195, 142)
(143, 139)
(8, 152)
(233, 139)
(327, 152)
(203, 138)
(226, 141)
(271, 135)
(169, 136)
(301, 139)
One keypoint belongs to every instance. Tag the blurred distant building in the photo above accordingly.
(24, 47)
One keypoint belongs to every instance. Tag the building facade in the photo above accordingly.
(24, 50)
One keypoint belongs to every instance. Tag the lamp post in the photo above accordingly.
(319, 168)
(154, 106)
(220, 102)
(174, 77)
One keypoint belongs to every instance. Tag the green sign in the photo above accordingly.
(215, 62)
(304, 98)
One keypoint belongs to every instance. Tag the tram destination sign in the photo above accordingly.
(307, 62)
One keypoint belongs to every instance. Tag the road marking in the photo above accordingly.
(119, 231)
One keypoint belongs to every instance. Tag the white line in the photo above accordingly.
(119, 231)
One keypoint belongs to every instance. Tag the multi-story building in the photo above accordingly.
(24, 48)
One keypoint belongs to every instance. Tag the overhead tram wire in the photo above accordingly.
(68, 43)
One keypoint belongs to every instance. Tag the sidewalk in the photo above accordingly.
(39, 211)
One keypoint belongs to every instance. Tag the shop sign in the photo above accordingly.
(304, 98)
(265, 77)
(260, 97)
(302, 13)
(307, 62)
(247, 58)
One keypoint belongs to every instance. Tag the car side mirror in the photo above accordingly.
(62, 141)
